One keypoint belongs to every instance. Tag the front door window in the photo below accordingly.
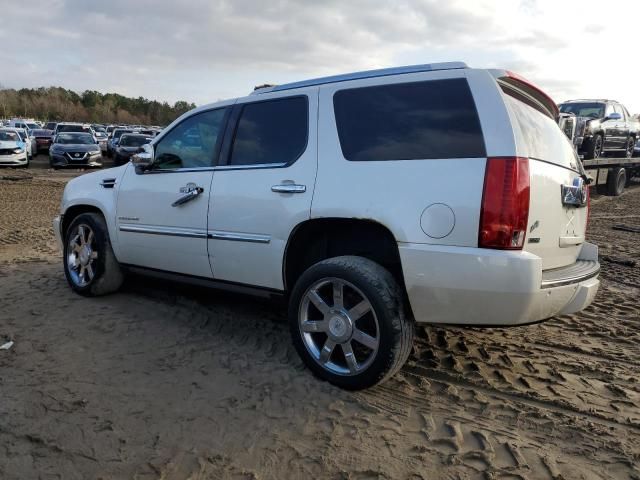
(193, 143)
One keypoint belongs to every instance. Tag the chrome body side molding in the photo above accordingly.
(195, 233)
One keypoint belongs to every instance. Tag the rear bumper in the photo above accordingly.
(472, 286)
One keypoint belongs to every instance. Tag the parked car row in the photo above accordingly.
(85, 147)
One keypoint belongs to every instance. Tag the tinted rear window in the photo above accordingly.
(409, 121)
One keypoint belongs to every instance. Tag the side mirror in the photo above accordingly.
(614, 116)
(143, 159)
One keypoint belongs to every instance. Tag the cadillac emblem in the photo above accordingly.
(575, 195)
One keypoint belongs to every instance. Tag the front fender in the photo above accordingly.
(87, 190)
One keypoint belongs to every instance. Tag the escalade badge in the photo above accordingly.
(575, 195)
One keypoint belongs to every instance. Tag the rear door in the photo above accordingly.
(558, 210)
(263, 186)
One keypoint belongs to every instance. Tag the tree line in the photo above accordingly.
(60, 104)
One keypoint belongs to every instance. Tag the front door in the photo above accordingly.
(611, 129)
(263, 186)
(161, 214)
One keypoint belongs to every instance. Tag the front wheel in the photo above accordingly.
(348, 322)
(631, 145)
(594, 148)
(89, 263)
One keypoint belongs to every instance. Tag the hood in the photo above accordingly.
(81, 147)
(6, 144)
(128, 149)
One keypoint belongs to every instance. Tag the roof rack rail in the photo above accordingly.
(264, 85)
(591, 100)
(383, 72)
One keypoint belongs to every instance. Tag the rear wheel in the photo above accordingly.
(89, 263)
(347, 322)
(616, 181)
(594, 148)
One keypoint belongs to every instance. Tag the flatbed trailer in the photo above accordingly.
(610, 175)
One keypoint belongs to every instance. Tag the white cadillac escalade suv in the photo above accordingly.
(432, 193)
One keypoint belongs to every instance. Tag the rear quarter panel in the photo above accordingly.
(396, 193)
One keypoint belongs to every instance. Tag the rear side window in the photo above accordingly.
(409, 121)
(271, 132)
(541, 137)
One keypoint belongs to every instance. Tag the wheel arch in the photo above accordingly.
(73, 211)
(320, 238)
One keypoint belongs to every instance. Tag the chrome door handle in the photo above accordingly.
(289, 188)
(190, 195)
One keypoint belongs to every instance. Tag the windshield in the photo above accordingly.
(72, 128)
(118, 133)
(133, 140)
(8, 137)
(77, 139)
(33, 126)
(586, 109)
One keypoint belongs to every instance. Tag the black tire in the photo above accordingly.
(594, 147)
(616, 181)
(631, 143)
(387, 301)
(601, 189)
(107, 275)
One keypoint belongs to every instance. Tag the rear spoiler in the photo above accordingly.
(527, 92)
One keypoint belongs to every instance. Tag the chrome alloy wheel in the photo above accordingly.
(339, 326)
(81, 255)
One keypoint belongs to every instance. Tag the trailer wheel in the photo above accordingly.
(616, 181)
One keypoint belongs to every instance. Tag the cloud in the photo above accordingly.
(204, 50)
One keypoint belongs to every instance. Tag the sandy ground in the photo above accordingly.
(168, 382)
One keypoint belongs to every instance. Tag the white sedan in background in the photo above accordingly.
(29, 141)
(13, 152)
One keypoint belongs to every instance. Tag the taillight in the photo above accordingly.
(505, 203)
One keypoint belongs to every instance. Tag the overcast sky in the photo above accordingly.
(206, 50)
